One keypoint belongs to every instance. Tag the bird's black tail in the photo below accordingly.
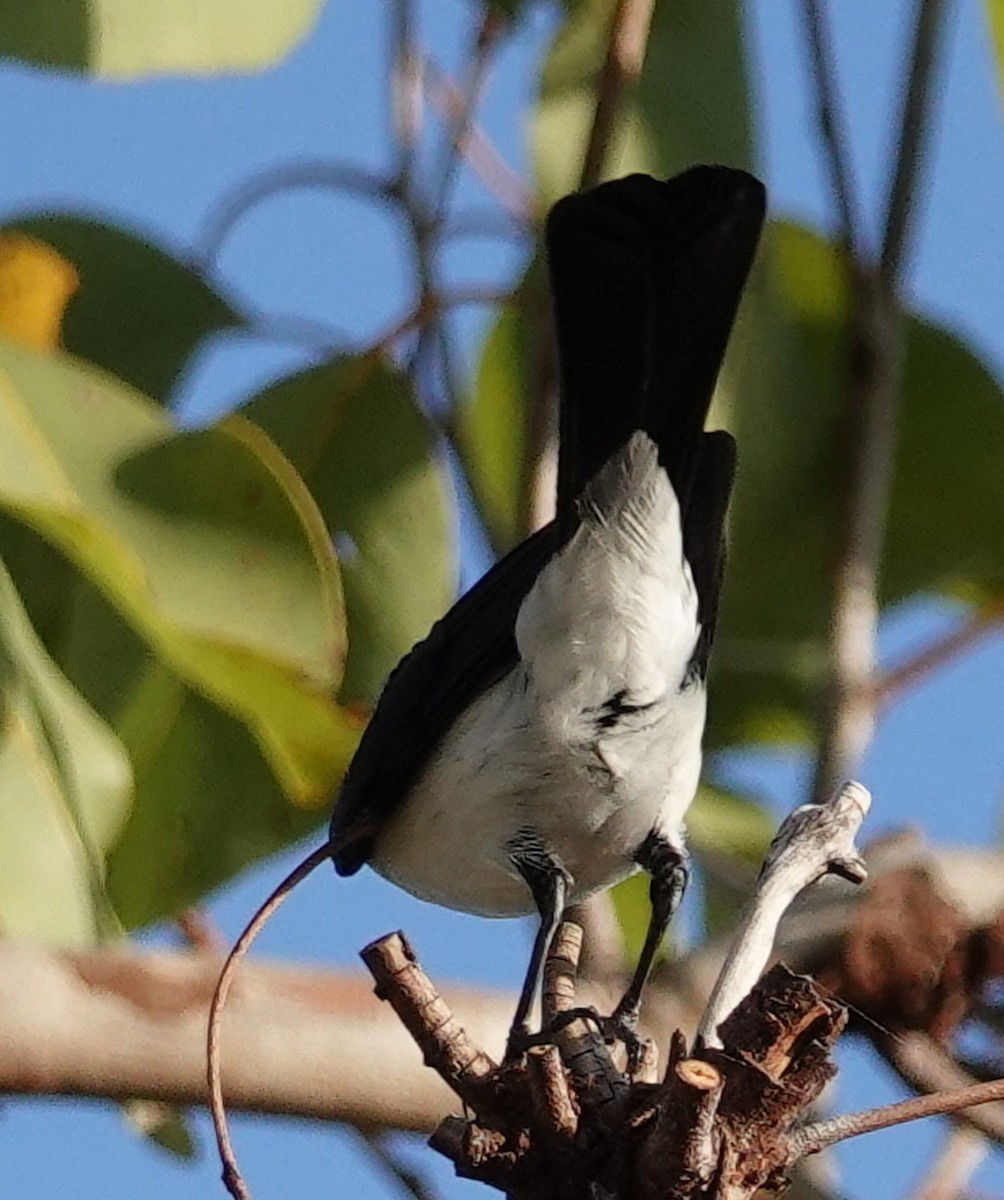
(646, 278)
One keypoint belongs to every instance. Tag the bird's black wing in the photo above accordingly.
(467, 651)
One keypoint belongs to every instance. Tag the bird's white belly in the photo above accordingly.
(495, 777)
(543, 754)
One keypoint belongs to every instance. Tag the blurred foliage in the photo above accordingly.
(128, 39)
(65, 792)
(138, 312)
(673, 118)
(995, 17)
(354, 431)
(187, 666)
(35, 284)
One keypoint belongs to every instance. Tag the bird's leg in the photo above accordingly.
(548, 883)
(670, 870)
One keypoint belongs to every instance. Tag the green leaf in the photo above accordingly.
(208, 543)
(163, 1125)
(207, 802)
(995, 19)
(691, 103)
(139, 312)
(728, 834)
(355, 433)
(126, 39)
(633, 908)
(491, 426)
(786, 405)
(65, 792)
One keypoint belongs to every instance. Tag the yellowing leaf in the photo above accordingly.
(35, 284)
(140, 311)
(995, 17)
(126, 39)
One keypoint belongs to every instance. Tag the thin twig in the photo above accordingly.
(831, 126)
(305, 173)
(941, 652)
(626, 43)
(810, 1139)
(463, 107)
(232, 1178)
(433, 304)
(408, 1180)
(297, 330)
(874, 358)
(476, 148)
(962, 1151)
(931, 15)
(199, 931)
(405, 93)
(925, 1065)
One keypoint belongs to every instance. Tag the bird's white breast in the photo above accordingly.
(613, 615)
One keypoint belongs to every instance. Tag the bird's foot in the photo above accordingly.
(619, 1026)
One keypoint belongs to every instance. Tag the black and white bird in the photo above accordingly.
(544, 741)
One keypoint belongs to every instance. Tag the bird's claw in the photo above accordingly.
(619, 1026)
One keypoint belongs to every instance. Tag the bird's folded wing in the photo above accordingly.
(467, 651)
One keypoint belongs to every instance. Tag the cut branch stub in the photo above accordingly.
(445, 1046)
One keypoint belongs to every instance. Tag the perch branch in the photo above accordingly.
(813, 841)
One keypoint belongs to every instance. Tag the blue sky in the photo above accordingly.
(160, 155)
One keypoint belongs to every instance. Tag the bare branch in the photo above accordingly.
(874, 357)
(199, 931)
(810, 1139)
(464, 105)
(405, 87)
(443, 1041)
(231, 1173)
(303, 173)
(961, 1153)
(622, 65)
(831, 125)
(813, 841)
(931, 658)
(411, 1184)
(927, 1066)
(114, 1024)
(931, 16)
(476, 148)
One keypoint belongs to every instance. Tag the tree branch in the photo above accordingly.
(308, 173)
(831, 126)
(874, 358)
(931, 15)
(938, 654)
(813, 841)
(622, 65)
(810, 1139)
